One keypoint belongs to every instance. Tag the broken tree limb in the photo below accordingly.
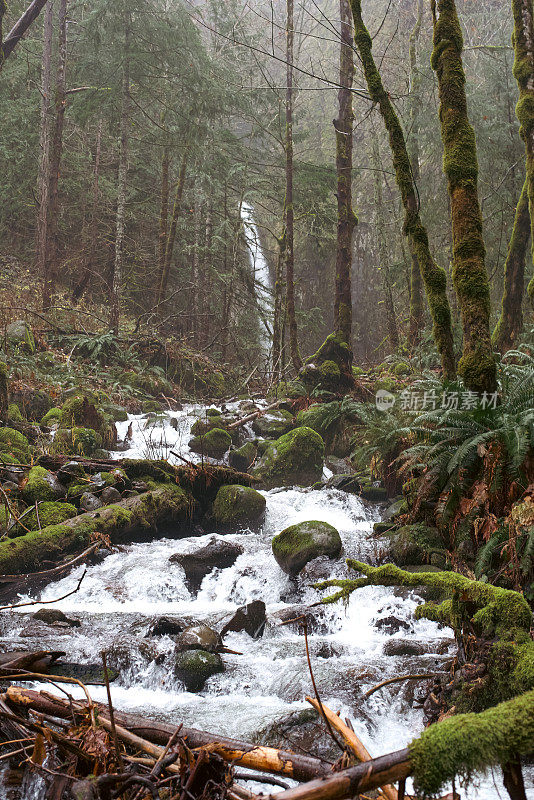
(398, 679)
(353, 781)
(354, 743)
(19, 29)
(245, 754)
(11, 585)
(255, 414)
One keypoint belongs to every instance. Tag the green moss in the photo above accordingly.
(213, 444)
(329, 369)
(76, 441)
(295, 546)
(213, 412)
(238, 505)
(13, 413)
(297, 457)
(50, 513)
(51, 417)
(13, 443)
(40, 485)
(469, 743)
(149, 406)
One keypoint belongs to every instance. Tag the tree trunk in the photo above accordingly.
(92, 241)
(416, 288)
(477, 365)
(523, 39)
(346, 219)
(290, 214)
(44, 139)
(52, 200)
(122, 178)
(510, 322)
(163, 217)
(19, 29)
(169, 247)
(513, 780)
(433, 276)
(279, 309)
(383, 254)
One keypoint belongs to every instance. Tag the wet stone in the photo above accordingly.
(90, 502)
(404, 647)
(166, 626)
(198, 637)
(110, 495)
(250, 618)
(217, 554)
(392, 624)
(194, 667)
(51, 616)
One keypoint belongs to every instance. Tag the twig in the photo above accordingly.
(112, 715)
(398, 679)
(17, 519)
(37, 515)
(45, 602)
(260, 778)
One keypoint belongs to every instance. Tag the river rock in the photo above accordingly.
(198, 637)
(296, 458)
(212, 444)
(250, 618)
(51, 616)
(315, 618)
(90, 502)
(404, 647)
(242, 458)
(273, 424)
(238, 506)
(42, 485)
(166, 626)
(194, 667)
(392, 624)
(295, 546)
(70, 472)
(110, 495)
(217, 554)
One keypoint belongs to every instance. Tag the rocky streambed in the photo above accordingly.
(145, 603)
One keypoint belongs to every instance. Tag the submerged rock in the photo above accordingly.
(198, 637)
(296, 458)
(295, 546)
(250, 618)
(166, 626)
(238, 506)
(217, 554)
(51, 616)
(404, 647)
(212, 444)
(194, 667)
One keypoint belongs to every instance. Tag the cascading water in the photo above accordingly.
(122, 595)
(261, 275)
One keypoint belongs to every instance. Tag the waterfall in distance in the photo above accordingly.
(262, 279)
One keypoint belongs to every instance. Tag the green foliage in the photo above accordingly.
(13, 444)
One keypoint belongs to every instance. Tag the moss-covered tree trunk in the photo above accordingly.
(433, 276)
(346, 219)
(416, 284)
(460, 164)
(523, 40)
(290, 214)
(165, 262)
(510, 321)
(163, 214)
(43, 182)
(3, 391)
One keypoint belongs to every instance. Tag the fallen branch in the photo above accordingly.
(14, 584)
(255, 414)
(398, 679)
(46, 602)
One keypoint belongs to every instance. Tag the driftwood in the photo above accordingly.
(245, 754)
(354, 743)
(11, 585)
(254, 414)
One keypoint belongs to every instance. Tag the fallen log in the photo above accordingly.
(11, 585)
(354, 743)
(252, 756)
(353, 781)
(254, 415)
(136, 517)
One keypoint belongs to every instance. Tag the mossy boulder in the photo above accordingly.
(213, 412)
(80, 412)
(52, 417)
(330, 368)
(76, 441)
(238, 506)
(273, 424)
(13, 444)
(42, 485)
(295, 546)
(19, 334)
(194, 667)
(205, 424)
(148, 383)
(50, 513)
(414, 544)
(243, 457)
(296, 458)
(117, 413)
(13, 413)
(213, 444)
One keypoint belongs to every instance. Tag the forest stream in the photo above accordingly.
(123, 595)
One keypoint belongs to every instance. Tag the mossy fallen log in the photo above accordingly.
(137, 517)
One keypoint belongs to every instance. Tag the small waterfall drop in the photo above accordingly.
(262, 279)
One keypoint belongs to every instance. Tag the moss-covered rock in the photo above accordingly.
(76, 441)
(50, 513)
(273, 424)
(213, 444)
(296, 458)
(19, 334)
(213, 412)
(414, 544)
(41, 485)
(148, 383)
(243, 457)
(303, 542)
(204, 424)
(80, 412)
(194, 667)
(52, 417)
(117, 413)
(13, 444)
(13, 413)
(330, 368)
(238, 506)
